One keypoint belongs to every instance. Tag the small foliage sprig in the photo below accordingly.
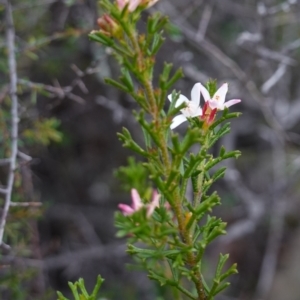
(79, 291)
(174, 229)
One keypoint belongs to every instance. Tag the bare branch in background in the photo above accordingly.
(115, 250)
(191, 72)
(285, 6)
(274, 78)
(204, 21)
(292, 46)
(32, 5)
(3, 191)
(278, 210)
(254, 206)
(24, 156)
(118, 111)
(10, 40)
(4, 161)
(57, 90)
(26, 204)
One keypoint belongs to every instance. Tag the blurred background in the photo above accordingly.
(69, 149)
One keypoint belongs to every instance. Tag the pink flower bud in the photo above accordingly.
(137, 204)
(108, 25)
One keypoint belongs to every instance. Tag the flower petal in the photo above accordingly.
(151, 2)
(133, 4)
(215, 104)
(232, 102)
(126, 209)
(121, 3)
(136, 200)
(198, 112)
(204, 92)
(181, 99)
(221, 93)
(154, 203)
(195, 94)
(177, 121)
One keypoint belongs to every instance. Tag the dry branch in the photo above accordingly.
(10, 40)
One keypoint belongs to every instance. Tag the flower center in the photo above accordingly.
(189, 110)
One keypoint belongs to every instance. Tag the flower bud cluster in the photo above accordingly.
(108, 26)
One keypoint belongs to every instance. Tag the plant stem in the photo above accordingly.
(136, 48)
(198, 193)
(159, 129)
(187, 239)
(177, 206)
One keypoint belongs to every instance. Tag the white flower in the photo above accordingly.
(218, 100)
(133, 4)
(192, 108)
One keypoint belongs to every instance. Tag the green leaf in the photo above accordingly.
(162, 280)
(178, 74)
(203, 208)
(218, 174)
(220, 133)
(231, 154)
(101, 38)
(84, 295)
(128, 142)
(192, 136)
(221, 263)
(216, 231)
(222, 151)
(126, 80)
(232, 270)
(97, 287)
(174, 32)
(174, 176)
(147, 129)
(61, 296)
(82, 288)
(73, 288)
(117, 84)
(225, 117)
(158, 41)
(211, 86)
(176, 144)
(147, 138)
(221, 288)
(155, 23)
(165, 74)
(192, 165)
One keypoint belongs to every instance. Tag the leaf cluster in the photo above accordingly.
(79, 291)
